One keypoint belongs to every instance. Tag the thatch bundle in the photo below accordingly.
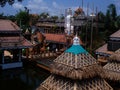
(117, 51)
(112, 68)
(112, 75)
(54, 82)
(115, 57)
(79, 73)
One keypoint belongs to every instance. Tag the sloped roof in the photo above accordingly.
(77, 71)
(103, 49)
(116, 34)
(7, 25)
(59, 38)
(112, 68)
(76, 49)
(117, 51)
(14, 42)
(54, 82)
(76, 64)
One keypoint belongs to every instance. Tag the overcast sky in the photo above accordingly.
(57, 7)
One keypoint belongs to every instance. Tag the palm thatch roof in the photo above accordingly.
(75, 69)
(76, 66)
(112, 68)
(117, 51)
(76, 63)
(61, 83)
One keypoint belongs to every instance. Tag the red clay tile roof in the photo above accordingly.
(103, 49)
(116, 34)
(59, 38)
(13, 42)
(7, 25)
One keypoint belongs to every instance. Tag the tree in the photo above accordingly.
(113, 12)
(23, 19)
(111, 22)
(10, 2)
(101, 17)
(44, 15)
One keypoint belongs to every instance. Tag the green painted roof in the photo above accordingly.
(76, 49)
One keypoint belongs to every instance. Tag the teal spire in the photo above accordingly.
(76, 48)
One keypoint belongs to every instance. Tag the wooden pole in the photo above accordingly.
(91, 42)
(87, 24)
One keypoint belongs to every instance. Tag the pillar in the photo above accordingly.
(20, 55)
(3, 57)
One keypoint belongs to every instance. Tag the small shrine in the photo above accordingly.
(75, 69)
(11, 45)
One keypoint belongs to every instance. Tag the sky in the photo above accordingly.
(57, 7)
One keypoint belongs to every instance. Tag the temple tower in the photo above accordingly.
(75, 69)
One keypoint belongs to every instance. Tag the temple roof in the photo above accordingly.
(76, 48)
(14, 42)
(59, 38)
(7, 25)
(76, 63)
(75, 71)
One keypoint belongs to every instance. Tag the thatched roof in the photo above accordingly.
(117, 51)
(115, 57)
(76, 66)
(54, 82)
(76, 63)
(112, 68)
(75, 69)
(112, 71)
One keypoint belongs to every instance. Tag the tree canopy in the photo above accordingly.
(10, 2)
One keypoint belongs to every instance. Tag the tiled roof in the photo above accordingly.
(116, 34)
(56, 38)
(103, 49)
(14, 42)
(7, 25)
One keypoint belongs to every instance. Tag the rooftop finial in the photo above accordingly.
(76, 40)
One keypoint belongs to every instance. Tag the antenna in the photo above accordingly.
(87, 9)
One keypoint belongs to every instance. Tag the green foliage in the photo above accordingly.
(23, 18)
(44, 15)
(111, 20)
(10, 2)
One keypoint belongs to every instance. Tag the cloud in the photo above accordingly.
(17, 6)
(55, 5)
(37, 6)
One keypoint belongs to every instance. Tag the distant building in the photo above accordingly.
(108, 48)
(11, 45)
